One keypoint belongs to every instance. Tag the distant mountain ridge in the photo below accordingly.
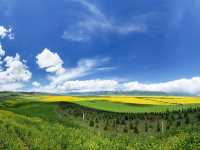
(128, 93)
(103, 93)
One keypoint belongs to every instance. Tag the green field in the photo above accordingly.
(134, 108)
(28, 123)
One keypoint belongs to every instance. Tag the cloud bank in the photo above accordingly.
(191, 86)
(66, 80)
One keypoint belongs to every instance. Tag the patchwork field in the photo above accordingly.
(129, 103)
(49, 122)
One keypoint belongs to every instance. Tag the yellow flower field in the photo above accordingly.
(148, 100)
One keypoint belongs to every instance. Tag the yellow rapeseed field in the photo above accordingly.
(148, 100)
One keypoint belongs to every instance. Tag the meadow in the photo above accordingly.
(41, 122)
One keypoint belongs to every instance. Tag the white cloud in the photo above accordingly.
(50, 61)
(68, 80)
(84, 67)
(58, 81)
(11, 86)
(96, 21)
(6, 33)
(15, 70)
(90, 85)
(125, 29)
(191, 86)
(79, 86)
(91, 7)
(2, 51)
(36, 84)
(64, 82)
(14, 74)
(77, 36)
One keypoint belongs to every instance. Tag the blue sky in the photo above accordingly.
(131, 45)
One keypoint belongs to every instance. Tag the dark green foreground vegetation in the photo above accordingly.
(27, 124)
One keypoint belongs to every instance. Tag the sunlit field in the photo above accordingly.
(147, 100)
(50, 122)
(128, 103)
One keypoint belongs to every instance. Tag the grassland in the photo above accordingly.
(37, 122)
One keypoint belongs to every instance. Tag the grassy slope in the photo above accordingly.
(35, 132)
(25, 124)
(124, 107)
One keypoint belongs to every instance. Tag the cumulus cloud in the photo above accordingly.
(6, 33)
(90, 85)
(95, 21)
(190, 86)
(80, 86)
(59, 81)
(14, 73)
(50, 61)
(36, 84)
(15, 70)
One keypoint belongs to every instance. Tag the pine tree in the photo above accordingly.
(198, 117)
(158, 127)
(125, 129)
(178, 124)
(187, 120)
(91, 123)
(146, 127)
(117, 121)
(96, 120)
(106, 127)
(135, 130)
(131, 126)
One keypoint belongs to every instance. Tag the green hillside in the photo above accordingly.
(26, 124)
